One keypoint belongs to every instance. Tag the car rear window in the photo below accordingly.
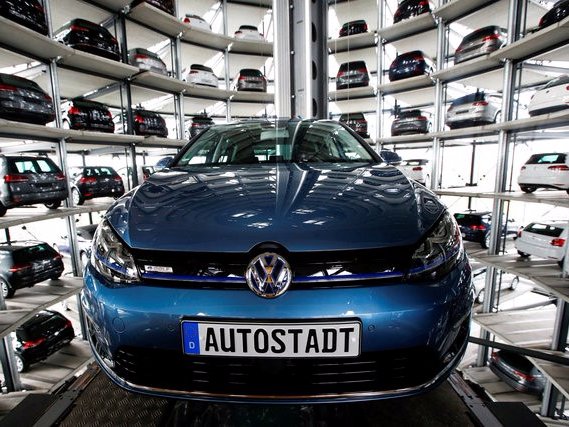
(200, 67)
(146, 113)
(29, 165)
(18, 82)
(99, 171)
(467, 99)
(42, 324)
(561, 80)
(414, 162)
(251, 72)
(544, 229)
(468, 219)
(248, 27)
(550, 158)
(31, 253)
(88, 104)
(409, 113)
(354, 65)
(351, 116)
(478, 34)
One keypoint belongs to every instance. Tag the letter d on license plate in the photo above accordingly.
(302, 340)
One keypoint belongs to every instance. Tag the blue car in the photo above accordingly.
(278, 261)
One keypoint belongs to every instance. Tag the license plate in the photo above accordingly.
(291, 340)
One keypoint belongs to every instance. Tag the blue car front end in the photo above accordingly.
(377, 306)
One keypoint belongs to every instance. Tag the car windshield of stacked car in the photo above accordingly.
(250, 143)
(35, 166)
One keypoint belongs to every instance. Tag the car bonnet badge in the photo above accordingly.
(268, 275)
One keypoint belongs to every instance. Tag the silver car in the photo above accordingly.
(480, 42)
(474, 109)
(200, 75)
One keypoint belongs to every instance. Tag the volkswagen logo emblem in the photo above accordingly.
(268, 275)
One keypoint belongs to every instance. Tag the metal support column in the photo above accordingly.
(310, 58)
(282, 58)
(438, 112)
(380, 102)
(226, 61)
(179, 97)
(501, 177)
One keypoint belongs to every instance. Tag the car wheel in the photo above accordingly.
(65, 124)
(523, 254)
(567, 191)
(56, 277)
(7, 290)
(514, 283)
(528, 188)
(480, 296)
(78, 200)
(53, 205)
(498, 117)
(21, 365)
(485, 243)
(560, 263)
(3, 210)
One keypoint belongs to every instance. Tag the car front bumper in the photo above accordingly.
(412, 336)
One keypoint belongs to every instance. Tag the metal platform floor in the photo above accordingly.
(93, 400)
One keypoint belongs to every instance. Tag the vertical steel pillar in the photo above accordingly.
(380, 102)
(226, 61)
(282, 58)
(310, 32)
(501, 176)
(439, 111)
(179, 97)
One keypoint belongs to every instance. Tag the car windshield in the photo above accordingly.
(269, 142)
(29, 165)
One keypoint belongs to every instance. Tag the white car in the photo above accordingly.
(249, 32)
(505, 280)
(417, 169)
(200, 75)
(543, 240)
(196, 21)
(554, 96)
(545, 170)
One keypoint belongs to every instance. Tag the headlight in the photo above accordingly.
(439, 251)
(111, 258)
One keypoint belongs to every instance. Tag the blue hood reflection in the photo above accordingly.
(302, 207)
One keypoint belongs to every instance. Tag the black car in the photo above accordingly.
(410, 64)
(83, 114)
(23, 100)
(23, 264)
(480, 42)
(558, 12)
(147, 60)
(410, 122)
(353, 27)
(250, 79)
(29, 13)
(89, 37)
(164, 5)
(199, 124)
(410, 8)
(352, 74)
(95, 181)
(476, 227)
(29, 181)
(40, 337)
(149, 123)
(517, 371)
(357, 122)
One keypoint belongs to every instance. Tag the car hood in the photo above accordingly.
(301, 207)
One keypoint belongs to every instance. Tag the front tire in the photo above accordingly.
(78, 200)
(485, 243)
(6, 289)
(480, 296)
(53, 205)
(560, 262)
(514, 283)
(3, 209)
(523, 254)
(21, 364)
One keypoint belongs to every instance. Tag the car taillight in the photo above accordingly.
(39, 7)
(15, 178)
(194, 72)
(87, 180)
(74, 111)
(32, 343)
(495, 356)
(362, 70)
(490, 37)
(524, 376)
(365, 27)
(557, 243)
(68, 324)
(242, 78)
(58, 256)
(109, 114)
(20, 267)
(423, 3)
(238, 32)
(8, 87)
(340, 74)
(541, 21)
(76, 27)
(140, 56)
(480, 103)
(559, 168)
(139, 119)
(417, 169)
(186, 20)
(418, 58)
(475, 227)
(117, 179)
(59, 176)
(422, 118)
(520, 232)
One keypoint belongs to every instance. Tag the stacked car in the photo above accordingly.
(89, 37)
(543, 239)
(23, 100)
(545, 170)
(478, 108)
(352, 74)
(84, 114)
(410, 64)
(90, 182)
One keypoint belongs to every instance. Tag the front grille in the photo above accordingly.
(308, 268)
(373, 372)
